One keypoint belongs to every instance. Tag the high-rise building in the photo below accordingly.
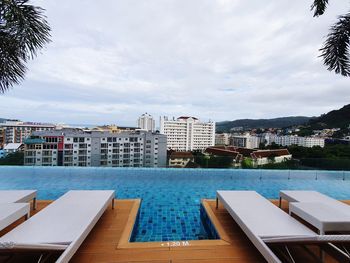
(76, 147)
(17, 131)
(146, 122)
(188, 133)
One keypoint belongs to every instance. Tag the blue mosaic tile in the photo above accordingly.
(171, 197)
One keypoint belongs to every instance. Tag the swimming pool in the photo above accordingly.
(170, 208)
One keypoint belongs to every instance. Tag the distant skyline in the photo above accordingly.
(111, 61)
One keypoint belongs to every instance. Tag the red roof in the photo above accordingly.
(186, 117)
(269, 153)
(244, 151)
(175, 155)
(221, 152)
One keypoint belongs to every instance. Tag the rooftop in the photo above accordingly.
(181, 155)
(15, 123)
(76, 132)
(270, 153)
(12, 146)
(187, 117)
(221, 152)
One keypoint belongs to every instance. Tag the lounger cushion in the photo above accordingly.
(11, 212)
(313, 197)
(262, 217)
(16, 196)
(62, 221)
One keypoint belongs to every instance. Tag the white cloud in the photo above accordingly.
(111, 60)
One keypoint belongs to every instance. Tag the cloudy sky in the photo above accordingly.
(110, 61)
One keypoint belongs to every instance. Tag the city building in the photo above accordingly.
(259, 157)
(222, 139)
(12, 148)
(180, 159)
(188, 133)
(2, 137)
(225, 153)
(262, 157)
(113, 128)
(245, 141)
(289, 140)
(244, 152)
(146, 122)
(15, 131)
(76, 147)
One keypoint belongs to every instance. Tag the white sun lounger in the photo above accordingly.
(9, 213)
(313, 197)
(264, 223)
(18, 196)
(62, 225)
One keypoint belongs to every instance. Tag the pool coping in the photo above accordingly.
(124, 242)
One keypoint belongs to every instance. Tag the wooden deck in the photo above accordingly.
(107, 242)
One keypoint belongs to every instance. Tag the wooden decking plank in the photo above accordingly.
(103, 242)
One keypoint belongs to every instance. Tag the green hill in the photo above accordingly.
(333, 119)
(282, 122)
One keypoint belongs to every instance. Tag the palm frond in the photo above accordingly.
(319, 7)
(335, 51)
(23, 31)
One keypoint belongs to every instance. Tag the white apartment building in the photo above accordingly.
(246, 141)
(295, 140)
(76, 147)
(188, 133)
(222, 139)
(146, 122)
(17, 131)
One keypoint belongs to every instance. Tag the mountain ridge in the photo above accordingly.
(339, 118)
(279, 122)
(334, 119)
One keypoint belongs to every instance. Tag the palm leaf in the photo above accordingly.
(23, 31)
(335, 51)
(319, 7)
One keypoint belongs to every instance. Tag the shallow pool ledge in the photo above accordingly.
(124, 242)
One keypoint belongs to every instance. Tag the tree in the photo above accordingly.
(23, 32)
(272, 158)
(16, 158)
(335, 51)
(247, 163)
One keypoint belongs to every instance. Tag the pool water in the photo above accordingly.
(170, 207)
